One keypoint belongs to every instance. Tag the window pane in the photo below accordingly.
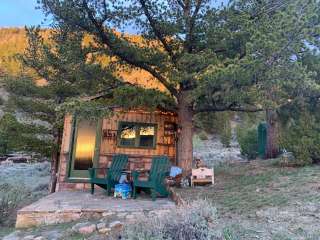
(85, 143)
(147, 134)
(127, 135)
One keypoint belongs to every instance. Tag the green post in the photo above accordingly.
(262, 139)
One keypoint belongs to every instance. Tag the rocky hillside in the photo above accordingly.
(213, 153)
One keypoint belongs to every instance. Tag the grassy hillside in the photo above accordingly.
(12, 42)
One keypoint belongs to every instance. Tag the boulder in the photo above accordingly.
(84, 228)
(6, 163)
(12, 236)
(29, 237)
(19, 159)
(101, 225)
(116, 225)
(39, 238)
(105, 230)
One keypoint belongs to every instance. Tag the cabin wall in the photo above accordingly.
(138, 157)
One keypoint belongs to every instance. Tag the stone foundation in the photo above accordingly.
(63, 207)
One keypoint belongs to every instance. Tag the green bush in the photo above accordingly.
(194, 221)
(248, 141)
(203, 136)
(17, 136)
(226, 134)
(9, 131)
(302, 138)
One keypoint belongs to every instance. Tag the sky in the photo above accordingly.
(18, 13)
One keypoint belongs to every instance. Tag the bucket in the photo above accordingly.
(122, 190)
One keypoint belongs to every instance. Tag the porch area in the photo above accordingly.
(67, 206)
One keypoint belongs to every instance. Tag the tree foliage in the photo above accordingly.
(244, 56)
(17, 136)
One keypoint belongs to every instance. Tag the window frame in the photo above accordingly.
(137, 126)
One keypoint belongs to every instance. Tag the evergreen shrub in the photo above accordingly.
(203, 136)
(302, 138)
(248, 141)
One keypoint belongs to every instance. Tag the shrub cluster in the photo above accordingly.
(302, 138)
(17, 136)
(194, 221)
(248, 141)
(203, 136)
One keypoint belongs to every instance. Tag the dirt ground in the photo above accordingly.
(260, 200)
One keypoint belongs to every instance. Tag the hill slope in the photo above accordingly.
(12, 42)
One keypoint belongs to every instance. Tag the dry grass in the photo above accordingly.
(245, 188)
(260, 200)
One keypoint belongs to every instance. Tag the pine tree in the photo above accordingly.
(17, 136)
(65, 72)
(209, 59)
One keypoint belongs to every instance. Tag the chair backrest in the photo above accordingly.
(119, 163)
(159, 165)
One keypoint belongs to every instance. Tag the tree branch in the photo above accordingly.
(156, 30)
(113, 42)
(231, 107)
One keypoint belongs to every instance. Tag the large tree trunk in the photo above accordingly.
(272, 148)
(185, 145)
(55, 156)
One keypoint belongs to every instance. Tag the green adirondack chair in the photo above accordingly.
(160, 168)
(112, 174)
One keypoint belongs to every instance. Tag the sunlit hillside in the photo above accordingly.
(13, 41)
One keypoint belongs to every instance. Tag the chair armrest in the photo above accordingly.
(135, 175)
(93, 171)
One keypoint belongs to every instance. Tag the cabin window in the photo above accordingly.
(137, 135)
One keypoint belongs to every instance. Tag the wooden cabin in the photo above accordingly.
(138, 133)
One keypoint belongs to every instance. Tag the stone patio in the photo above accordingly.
(69, 206)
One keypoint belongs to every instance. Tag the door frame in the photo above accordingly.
(82, 175)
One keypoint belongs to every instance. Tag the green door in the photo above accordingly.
(86, 148)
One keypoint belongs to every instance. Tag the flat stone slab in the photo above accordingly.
(68, 206)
